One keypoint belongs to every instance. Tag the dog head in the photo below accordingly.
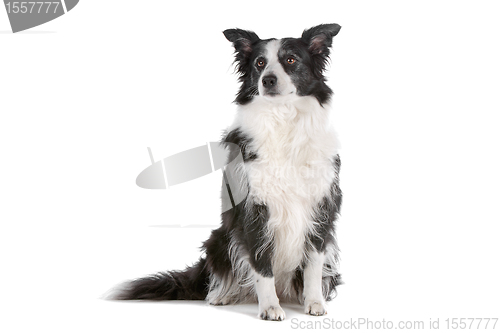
(280, 69)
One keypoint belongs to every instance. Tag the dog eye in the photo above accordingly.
(260, 63)
(290, 60)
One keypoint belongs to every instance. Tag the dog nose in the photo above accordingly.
(269, 80)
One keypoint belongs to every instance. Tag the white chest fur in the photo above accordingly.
(295, 145)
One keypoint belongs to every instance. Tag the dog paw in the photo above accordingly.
(315, 308)
(273, 312)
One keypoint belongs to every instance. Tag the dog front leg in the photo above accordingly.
(313, 283)
(260, 250)
(269, 305)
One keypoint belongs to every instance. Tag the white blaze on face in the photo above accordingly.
(285, 84)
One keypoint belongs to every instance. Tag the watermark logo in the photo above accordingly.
(24, 15)
(198, 162)
(466, 323)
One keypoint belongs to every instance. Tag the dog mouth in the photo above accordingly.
(276, 93)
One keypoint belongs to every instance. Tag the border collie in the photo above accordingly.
(279, 243)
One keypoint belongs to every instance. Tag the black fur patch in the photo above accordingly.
(238, 137)
(253, 232)
(216, 247)
(326, 214)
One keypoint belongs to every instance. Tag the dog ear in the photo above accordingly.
(242, 40)
(319, 38)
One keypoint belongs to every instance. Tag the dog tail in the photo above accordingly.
(189, 284)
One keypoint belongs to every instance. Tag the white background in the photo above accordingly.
(416, 105)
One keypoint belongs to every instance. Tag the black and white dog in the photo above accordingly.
(279, 243)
